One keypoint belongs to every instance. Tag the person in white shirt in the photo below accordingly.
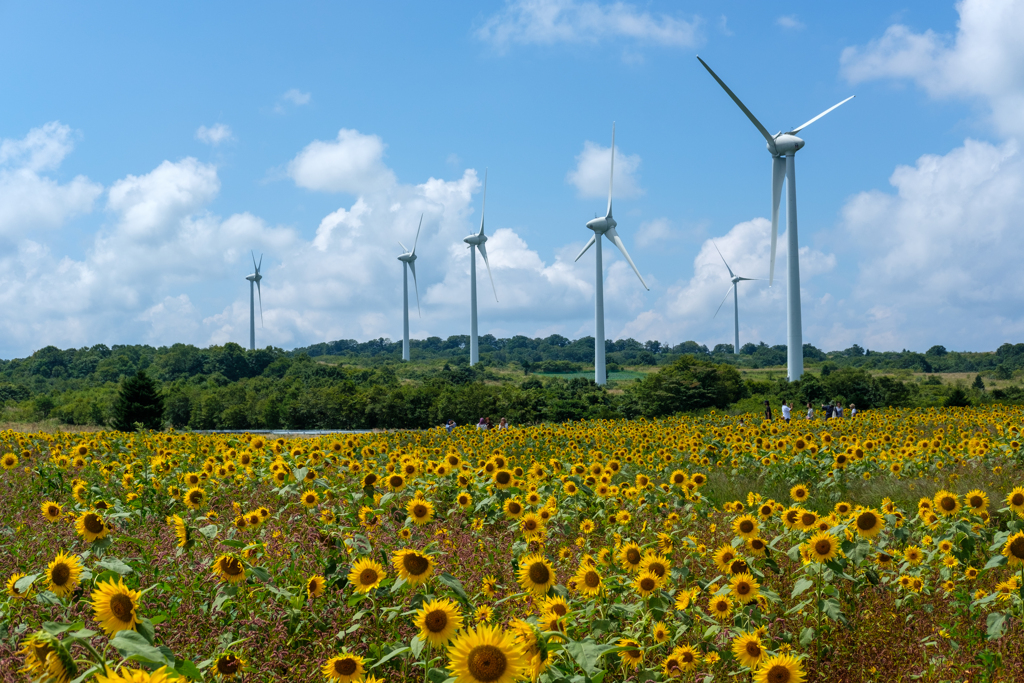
(853, 410)
(810, 412)
(786, 410)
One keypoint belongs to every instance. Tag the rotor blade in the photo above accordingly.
(593, 238)
(753, 119)
(778, 175)
(611, 175)
(483, 252)
(416, 287)
(260, 292)
(261, 263)
(417, 235)
(483, 209)
(751, 279)
(404, 250)
(255, 267)
(800, 128)
(723, 302)
(723, 259)
(617, 241)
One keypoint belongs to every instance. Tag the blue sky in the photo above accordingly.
(146, 149)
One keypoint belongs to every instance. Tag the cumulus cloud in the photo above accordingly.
(655, 233)
(151, 204)
(297, 97)
(215, 134)
(790, 22)
(592, 168)
(547, 22)
(351, 163)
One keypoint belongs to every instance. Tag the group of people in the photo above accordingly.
(483, 423)
(832, 409)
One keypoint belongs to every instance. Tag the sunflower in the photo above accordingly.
(438, 620)
(536, 574)
(46, 658)
(1016, 500)
(660, 632)
(315, 586)
(748, 649)
(783, 668)
(195, 497)
(745, 588)
(800, 493)
(632, 656)
(529, 641)
(646, 583)
(366, 575)
(513, 508)
(182, 532)
(631, 557)
(91, 526)
(822, 547)
(420, 510)
(947, 503)
(114, 606)
(504, 479)
(488, 586)
(913, 555)
(757, 546)
(977, 500)
(587, 581)
(486, 654)
(9, 461)
(229, 568)
(126, 675)
(724, 557)
(657, 564)
(228, 665)
(396, 482)
(63, 574)
(745, 526)
(465, 500)
(12, 586)
(310, 498)
(413, 566)
(869, 523)
(1014, 549)
(683, 598)
(51, 511)
(532, 526)
(483, 614)
(720, 607)
(687, 657)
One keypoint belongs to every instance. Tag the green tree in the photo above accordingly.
(957, 399)
(979, 383)
(138, 401)
(688, 384)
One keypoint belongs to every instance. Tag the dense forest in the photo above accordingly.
(348, 384)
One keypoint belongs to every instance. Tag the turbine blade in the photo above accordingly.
(259, 291)
(753, 119)
(778, 175)
(611, 175)
(404, 250)
(593, 238)
(416, 287)
(483, 252)
(800, 128)
(617, 241)
(417, 235)
(727, 293)
(255, 267)
(483, 209)
(261, 264)
(751, 279)
(723, 259)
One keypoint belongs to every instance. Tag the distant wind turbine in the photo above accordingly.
(783, 148)
(604, 225)
(408, 259)
(735, 299)
(477, 241)
(254, 279)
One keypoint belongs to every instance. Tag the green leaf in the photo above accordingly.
(833, 610)
(801, 586)
(114, 565)
(186, 668)
(807, 636)
(210, 531)
(456, 585)
(588, 654)
(391, 655)
(133, 646)
(996, 561)
(260, 573)
(22, 585)
(416, 645)
(437, 676)
(55, 629)
(996, 623)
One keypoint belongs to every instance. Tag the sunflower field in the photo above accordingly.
(886, 547)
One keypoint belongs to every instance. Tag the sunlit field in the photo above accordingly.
(887, 547)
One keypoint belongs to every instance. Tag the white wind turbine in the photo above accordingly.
(735, 299)
(477, 241)
(604, 225)
(254, 279)
(783, 148)
(408, 259)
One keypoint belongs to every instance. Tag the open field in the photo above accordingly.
(884, 548)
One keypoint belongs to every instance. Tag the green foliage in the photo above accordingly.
(688, 384)
(138, 402)
(957, 399)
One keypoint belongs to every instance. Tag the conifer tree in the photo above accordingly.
(138, 401)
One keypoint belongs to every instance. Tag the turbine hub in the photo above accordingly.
(787, 144)
(475, 239)
(602, 224)
(407, 258)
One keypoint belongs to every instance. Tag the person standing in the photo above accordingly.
(828, 410)
(450, 425)
(810, 411)
(767, 411)
(786, 411)
(838, 410)
(853, 410)
(482, 424)
(503, 424)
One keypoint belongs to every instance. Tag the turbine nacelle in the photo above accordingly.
(407, 258)
(602, 224)
(786, 144)
(476, 238)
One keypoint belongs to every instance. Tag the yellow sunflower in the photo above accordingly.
(783, 668)
(536, 574)
(228, 665)
(9, 461)
(91, 526)
(822, 547)
(745, 527)
(51, 511)
(947, 503)
(1014, 549)
(686, 659)
(366, 575)
(315, 586)
(310, 498)
(745, 588)
(657, 564)
(182, 532)
(114, 606)
(646, 583)
(12, 589)
(420, 510)
(631, 557)
(46, 659)
(1015, 500)
(63, 574)
(720, 607)
(587, 581)
(413, 566)
(660, 632)
(977, 500)
(229, 568)
(513, 508)
(195, 497)
(869, 523)
(486, 654)
(438, 620)
(800, 493)
(748, 649)
(126, 675)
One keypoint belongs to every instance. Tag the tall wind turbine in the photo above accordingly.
(477, 241)
(408, 259)
(735, 300)
(254, 279)
(783, 148)
(604, 225)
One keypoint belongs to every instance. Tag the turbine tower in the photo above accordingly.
(477, 241)
(254, 279)
(408, 259)
(783, 148)
(604, 225)
(735, 300)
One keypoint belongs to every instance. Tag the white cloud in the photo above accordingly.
(790, 22)
(297, 97)
(152, 204)
(215, 134)
(655, 233)
(985, 60)
(571, 21)
(352, 163)
(592, 168)
(30, 201)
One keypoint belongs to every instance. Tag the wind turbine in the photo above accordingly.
(254, 279)
(408, 259)
(477, 241)
(783, 148)
(604, 225)
(735, 299)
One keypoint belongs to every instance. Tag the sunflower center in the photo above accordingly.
(436, 620)
(539, 573)
(504, 477)
(687, 657)
(746, 526)
(867, 521)
(559, 609)
(195, 497)
(419, 511)
(823, 547)
(647, 583)
(415, 564)
(346, 666)
(656, 568)
(514, 508)
(228, 665)
(487, 663)
(121, 606)
(753, 649)
(976, 501)
(778, 674)
(743, 588)
(60, 574)
(757, 544)
(738, 567)
(231, 566)
(808, 519)
(530, 525)
(1017, 548)
(93, 524)
(948, 504)
(368, 577)
(592, 579)
(1017, 499)
(53, 511)
(396, 481)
